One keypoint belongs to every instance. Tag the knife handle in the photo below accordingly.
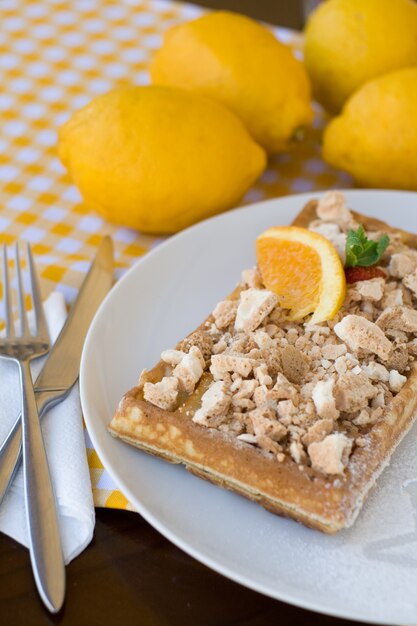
(11, 449)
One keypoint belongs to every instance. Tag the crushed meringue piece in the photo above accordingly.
(345, 363)
(246, 388)
(219, 347)
(352, 392)
(315, 328)
(243, 403)
(295, 364)
(376, 371)
(361, 442)
(399, 335)
(410, 281)
(286, 408)
(172, 357)
(283, 388)
(212, 330)
(262, 339)
(399, 359)
(263, 396)
(254, 306)
(392, 298)
(215, 401)
(367, 416)
(324, 400)
(201, 340)
(224, 313)
(263, 425)
(359, 333)
(332, 208)
(297, 451)
(221, 364)
(252, 278)
(371, 290)
(247, 438)
(333, 233)
(272, 329)
(332, 351)
(363, 418)
(330, 455)
(398, 317)
(237, 382)
(190, 369)
(378, 401)
(367, 308)
(396, 381)
(329, 230)
(262, 375)
(163, 394)
(268, 444)
(318, 431)
(402, 263)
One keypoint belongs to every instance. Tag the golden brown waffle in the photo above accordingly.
(328, 503)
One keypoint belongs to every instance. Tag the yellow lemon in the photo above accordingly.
(375, 137)
(158, 159)
(240, 63)
(348, 42)
(304, 270)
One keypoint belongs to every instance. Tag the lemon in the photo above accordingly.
(158, 159)
(375, 137)
(241, 64)
(348, 42)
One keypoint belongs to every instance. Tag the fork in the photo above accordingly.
(43, 532)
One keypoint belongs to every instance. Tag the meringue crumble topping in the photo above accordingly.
(311, 393)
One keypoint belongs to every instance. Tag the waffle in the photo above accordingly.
(290, 486)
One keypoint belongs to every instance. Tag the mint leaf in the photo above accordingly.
(363, 251)
(382, 245)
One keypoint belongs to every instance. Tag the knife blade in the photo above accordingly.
(61, 369)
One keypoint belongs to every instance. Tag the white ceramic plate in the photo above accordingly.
(367, 573)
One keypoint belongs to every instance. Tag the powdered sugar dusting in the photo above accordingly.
(372, 566)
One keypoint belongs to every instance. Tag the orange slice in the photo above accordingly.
(304, 270)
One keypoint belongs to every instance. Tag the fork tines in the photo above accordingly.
(40, 322)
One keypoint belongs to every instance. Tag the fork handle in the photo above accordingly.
(43, 530)
(10, 454)
(11, 448)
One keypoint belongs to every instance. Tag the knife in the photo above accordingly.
(61, 369)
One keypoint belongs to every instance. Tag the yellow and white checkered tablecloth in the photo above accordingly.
(55, 56)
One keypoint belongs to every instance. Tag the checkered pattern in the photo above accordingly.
(55, 56)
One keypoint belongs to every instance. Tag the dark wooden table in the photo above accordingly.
(130, 574)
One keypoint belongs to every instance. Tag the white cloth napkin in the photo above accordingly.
(64, 440)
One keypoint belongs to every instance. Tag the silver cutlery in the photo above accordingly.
(61, 369)
(42, 521)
